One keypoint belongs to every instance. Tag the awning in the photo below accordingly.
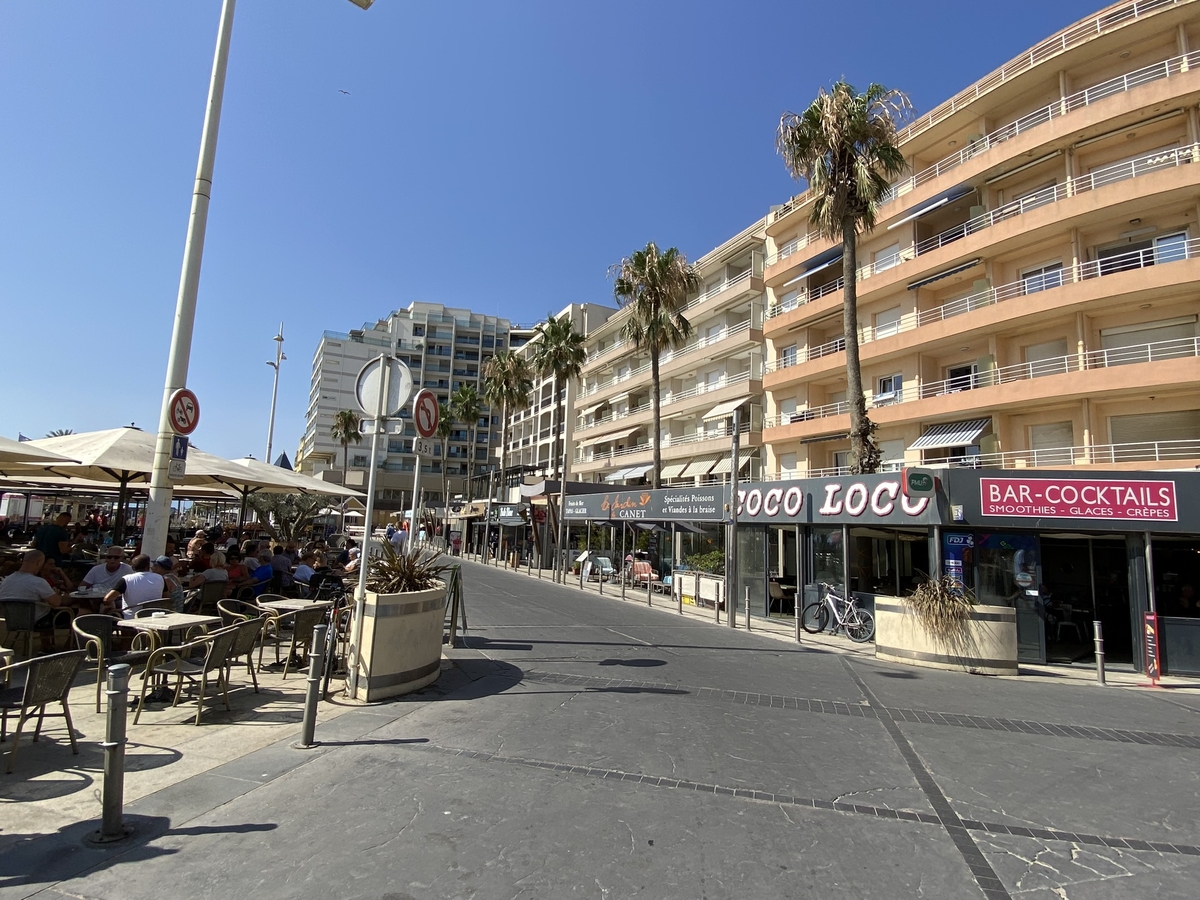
(817, 263)
(700, 466)
(637, 471)
(951, 434)
(611, 436)
(953, 270)
(617, 475)
(721, 410)
(820, 439)
(673, 470)
(725, 464)
(511, 521)
(588, 410)
(934, 202)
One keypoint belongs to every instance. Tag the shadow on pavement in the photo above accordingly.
(636, 663)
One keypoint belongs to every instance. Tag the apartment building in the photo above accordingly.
(719, 370)
(535, 445)
(1029, 295)
(444, 348)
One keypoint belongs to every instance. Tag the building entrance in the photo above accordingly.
(1083, 580)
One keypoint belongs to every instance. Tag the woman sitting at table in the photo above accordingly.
(238, 571)
(214, 572)
(56, 577)
(304, 573)
(172, 585)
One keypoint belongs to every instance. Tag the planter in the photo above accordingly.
(401, 643)
(987, 646)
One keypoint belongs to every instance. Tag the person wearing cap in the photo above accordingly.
(172, 586)
(104, 575)
(141, 586)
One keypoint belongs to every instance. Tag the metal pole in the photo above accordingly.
(416, 503)
(649, 578)
(158, 509)
(279, 358)
(487, 516)
(360, 593)
(316, 665)
(112, 825)
(539, 557)
(624, 527)
(732, 564)
(717, 604)
(747, 607)
(1150, 573)
(1099, 638)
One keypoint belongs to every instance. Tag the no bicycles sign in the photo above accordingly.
(185, 411)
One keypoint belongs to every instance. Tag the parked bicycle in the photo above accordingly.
(858, 624)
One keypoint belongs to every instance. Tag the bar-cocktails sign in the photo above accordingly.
(1079, 498)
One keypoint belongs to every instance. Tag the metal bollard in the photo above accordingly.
(528, 564)
(1099, 637)
(112, 824)
(678, 586)
(316, 665)
(581, 576)
(649, 578)
(601, 582)
(717, 603)
(747, 608)
(796, 611)
(623, 579)
(539, 565)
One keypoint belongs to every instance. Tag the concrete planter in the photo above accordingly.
(987, 646)
(401, 642)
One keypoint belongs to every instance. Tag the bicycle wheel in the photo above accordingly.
(814, 618)
(860, 626)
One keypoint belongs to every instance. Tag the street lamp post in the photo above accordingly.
(158, 508)
(279, 358)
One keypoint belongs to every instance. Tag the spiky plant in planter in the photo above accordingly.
(411, 569)
(943, 605)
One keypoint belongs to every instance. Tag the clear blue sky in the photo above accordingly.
(491, 155)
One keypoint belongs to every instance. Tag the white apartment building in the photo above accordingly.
(445, 348)
(718, 371)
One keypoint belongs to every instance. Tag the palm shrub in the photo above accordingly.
(943, 606)
(845, 146)
(414, 568)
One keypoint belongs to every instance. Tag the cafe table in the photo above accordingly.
(290, 604)
(162, 626)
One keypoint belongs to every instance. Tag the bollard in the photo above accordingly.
(680, 586)
(112, 825)
(601, 581)
(316, 665)
(747, 608)
(581, 576)
(1099, 637)
(796, 611)
(623, 580)
(539, 565)
(528, 564)
(717, 603)
(649, 578)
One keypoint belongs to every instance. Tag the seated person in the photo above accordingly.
(351, 567)
(196, 543)
(260, 576)
(282, 563)
(27, 586)
(56, 577)
(305, 572)
(214, 572)
(238, 571)
(104, 574)
(140, 586)
(165, 566)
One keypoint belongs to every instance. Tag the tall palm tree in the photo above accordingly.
(346, 430)
(467, 406)
(60, 432)
(845, 146)
(559, 352)
(508, 382)
(655, 285)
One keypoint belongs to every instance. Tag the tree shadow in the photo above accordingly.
(634, 663)
(46, 770)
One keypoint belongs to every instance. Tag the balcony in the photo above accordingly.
(1160, 351)
(1081, 272)
(1078, 100)
(1134, 455)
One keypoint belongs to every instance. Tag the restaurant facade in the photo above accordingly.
(1065, 549)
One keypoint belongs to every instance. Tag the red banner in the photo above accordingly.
(1079, 498)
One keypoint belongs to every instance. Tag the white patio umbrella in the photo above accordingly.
(25, 452)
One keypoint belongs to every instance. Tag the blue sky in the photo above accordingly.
(493, 155)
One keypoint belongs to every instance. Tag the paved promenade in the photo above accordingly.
(589, 747)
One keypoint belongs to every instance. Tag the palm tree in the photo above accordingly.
(346, 430)
(508, 382)
(467, 406)
(845, 146)
(60, 432)
(559, 353)
(444, 427)
(655, 285)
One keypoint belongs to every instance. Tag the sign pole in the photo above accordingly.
(364, 559)
(731, 566)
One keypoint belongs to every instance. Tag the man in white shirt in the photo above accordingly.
(138, 587)
(26, 586)
(103, 576)
(398, 539)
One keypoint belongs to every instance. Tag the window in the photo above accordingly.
(887, 322)
(1051, 436)
(787, 465)
(1148, 341)
(1146, 428)
(836, 396)
(1048, 358)
(789, 300)
(960, 378)
(787, 409)
(887, 258)
(1042, 278)
(713, 332)
(787, 356)
(841, 459)
(892, 454)
(891, 389)
(359, 461)
(1138, 254)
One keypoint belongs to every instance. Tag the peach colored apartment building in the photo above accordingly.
(1029, 297)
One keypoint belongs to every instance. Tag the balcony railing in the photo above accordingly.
(805, 296)
(1097, 454)
(590, 455)
(1079, 99)
(1046, 280)
(1178, 348)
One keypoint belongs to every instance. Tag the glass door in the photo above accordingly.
(1009, 574)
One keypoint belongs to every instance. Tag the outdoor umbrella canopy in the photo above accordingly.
(24, 452)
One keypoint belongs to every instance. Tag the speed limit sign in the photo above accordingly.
(425, 413)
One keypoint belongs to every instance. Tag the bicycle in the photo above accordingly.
(859, 624)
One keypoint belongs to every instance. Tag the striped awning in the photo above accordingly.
(674, 470)
(721, 410)
(951, 434)
(611, 436)
(700, 466)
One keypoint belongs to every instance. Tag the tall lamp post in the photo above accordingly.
(279, 358)
(158, 508)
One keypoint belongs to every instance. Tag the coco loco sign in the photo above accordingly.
(874, 499)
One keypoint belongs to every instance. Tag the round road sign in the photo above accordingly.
(367, 389)
(185, 411)
(425, 413)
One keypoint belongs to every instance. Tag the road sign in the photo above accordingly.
(367, 387)
(177, 467)
(185, 411)
(425, 413)
(424, 447)
(919, 483)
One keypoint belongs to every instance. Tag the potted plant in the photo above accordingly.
(403, 621)
(941, 626)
